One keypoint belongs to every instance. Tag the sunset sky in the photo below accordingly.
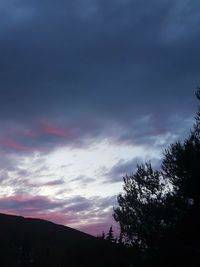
(88, 89)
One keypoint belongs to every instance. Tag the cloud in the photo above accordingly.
(77, 73)
(48, 135)
(54, 182)
(76, 211)
(89, 205)
(119, 170)
(26, 204)
(51, 183)
(116, 55)
(49, 129)
(125, 167)
(10, 143)
(78, 204)
(8, 162)
(3, 176)
(82, 180)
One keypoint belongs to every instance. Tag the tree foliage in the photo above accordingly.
(110, 236)
(181, 166)
(155, 202)
(140, 207)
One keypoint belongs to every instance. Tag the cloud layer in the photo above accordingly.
(75, 74)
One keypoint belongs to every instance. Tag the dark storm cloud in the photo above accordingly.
(89, 64)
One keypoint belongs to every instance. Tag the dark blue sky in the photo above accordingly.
(75, 74)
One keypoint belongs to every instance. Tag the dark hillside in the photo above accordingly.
(36, 242)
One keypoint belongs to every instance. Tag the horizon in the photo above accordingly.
(88, 91)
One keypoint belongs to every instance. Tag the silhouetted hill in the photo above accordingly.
(36, 242)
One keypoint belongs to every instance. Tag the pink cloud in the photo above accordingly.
(28, 133)
(35, 207)
(56, 217)
(50, 129)
(10, 143)
(55, 211)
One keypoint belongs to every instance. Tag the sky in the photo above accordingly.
(88, 90)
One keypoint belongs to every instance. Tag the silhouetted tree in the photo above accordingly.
(120, 240)
(110, 236)
(140, 211)
(165, 205)
(181, 165)
(102, 236)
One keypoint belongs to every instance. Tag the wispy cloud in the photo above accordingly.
(76, 212)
